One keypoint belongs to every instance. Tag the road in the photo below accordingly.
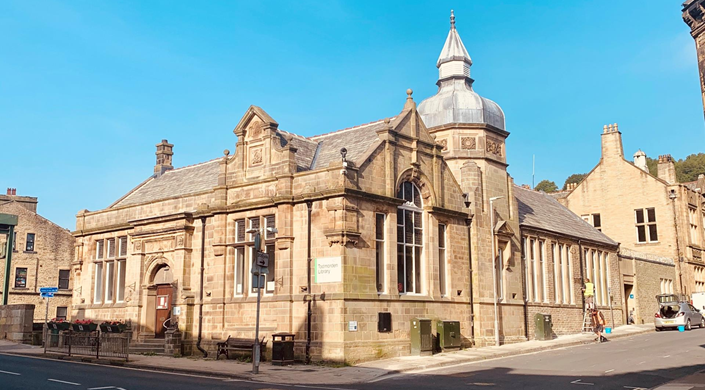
(638, 362)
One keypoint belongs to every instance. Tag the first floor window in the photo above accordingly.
(64, 276)
(123, 246)
(61, 312)
(646, 225)
(20, 277)
(30, 242)
(111, 248)
(109, 281)
(409, 251)
(379, 251)
(98, 295)
(121, 280)
(99, 249)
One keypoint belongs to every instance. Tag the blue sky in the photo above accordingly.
(88, 88)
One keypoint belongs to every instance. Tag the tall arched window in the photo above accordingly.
(409, 239)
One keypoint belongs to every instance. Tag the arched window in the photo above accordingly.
(409, 239)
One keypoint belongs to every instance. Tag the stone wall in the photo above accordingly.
(16, 323)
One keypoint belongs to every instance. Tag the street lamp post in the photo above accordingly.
(494, 271)
(258, 266)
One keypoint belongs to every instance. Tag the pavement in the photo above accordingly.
(320, 374)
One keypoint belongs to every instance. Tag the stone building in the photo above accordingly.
(368, 227)
(561, 251)
(654, 217)
(42, 256)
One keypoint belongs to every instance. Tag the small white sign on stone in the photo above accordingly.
(329, 270)
(352, 326)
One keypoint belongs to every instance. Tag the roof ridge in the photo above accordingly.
(192, 165)
(351, 128)
(301, 137)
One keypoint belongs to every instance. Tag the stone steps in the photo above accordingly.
(148, 346)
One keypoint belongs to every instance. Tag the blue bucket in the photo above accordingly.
(681, 328)
(608, 330)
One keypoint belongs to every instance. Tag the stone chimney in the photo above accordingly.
(164, 154)
(667, 169)
(640, 160)
(611, 143)
(28, 202)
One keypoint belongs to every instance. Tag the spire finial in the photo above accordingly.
(452, 20)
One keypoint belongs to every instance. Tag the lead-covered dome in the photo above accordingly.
(456, 101)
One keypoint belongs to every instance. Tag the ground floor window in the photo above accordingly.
(61, 313)
(98, 286)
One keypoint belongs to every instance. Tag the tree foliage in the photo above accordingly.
(546, 186)
(574, 178)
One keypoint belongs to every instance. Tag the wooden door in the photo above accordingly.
(163, 308)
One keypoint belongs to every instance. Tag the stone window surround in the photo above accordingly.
(380, 251)
(411, 206)
(33, 243)
(562, 261)
(246, 246)
(646, 224)
(535, 257)
(597, 269)
(17, 278)
(117, 265)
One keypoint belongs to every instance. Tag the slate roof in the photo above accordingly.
(177, 182)
(356, 140)
(541, 211)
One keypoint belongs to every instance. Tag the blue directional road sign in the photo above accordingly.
(48, 289)
(47, 295)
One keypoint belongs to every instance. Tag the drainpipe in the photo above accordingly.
(524, 293)
(582, 274)
(673, 197)
(200, 293)
(309, 205)
(472, 308)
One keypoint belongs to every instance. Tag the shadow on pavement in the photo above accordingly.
(512, 378)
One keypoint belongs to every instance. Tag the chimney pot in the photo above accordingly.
(9, 191)
(14, 191)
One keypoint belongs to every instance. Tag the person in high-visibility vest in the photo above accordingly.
(589, 293)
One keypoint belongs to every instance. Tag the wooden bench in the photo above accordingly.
(239, 345)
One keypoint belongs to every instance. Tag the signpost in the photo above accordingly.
(46, 293)
(259, 268)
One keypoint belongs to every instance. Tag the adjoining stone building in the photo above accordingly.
(655, 217)
(561, 251)
(42, 256)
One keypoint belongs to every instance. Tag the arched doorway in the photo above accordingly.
(163, 280)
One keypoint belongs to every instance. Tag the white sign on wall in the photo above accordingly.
(328, 270)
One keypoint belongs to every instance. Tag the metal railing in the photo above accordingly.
(94, 344)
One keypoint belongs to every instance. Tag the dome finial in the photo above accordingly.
(452, 20)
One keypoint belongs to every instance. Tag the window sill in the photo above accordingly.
(21, 288)
(648, 243)
(30, 252)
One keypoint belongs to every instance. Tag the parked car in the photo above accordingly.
(674, 313)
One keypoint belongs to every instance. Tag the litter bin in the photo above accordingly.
(282, 349)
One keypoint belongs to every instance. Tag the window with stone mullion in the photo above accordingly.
(409, 239)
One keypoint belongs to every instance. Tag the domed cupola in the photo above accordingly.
(455, 101)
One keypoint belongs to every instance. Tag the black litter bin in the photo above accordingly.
(282, 349)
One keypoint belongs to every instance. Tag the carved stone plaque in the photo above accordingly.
(494, 147)
(255, 156)
(444, 143)
(468, 143)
